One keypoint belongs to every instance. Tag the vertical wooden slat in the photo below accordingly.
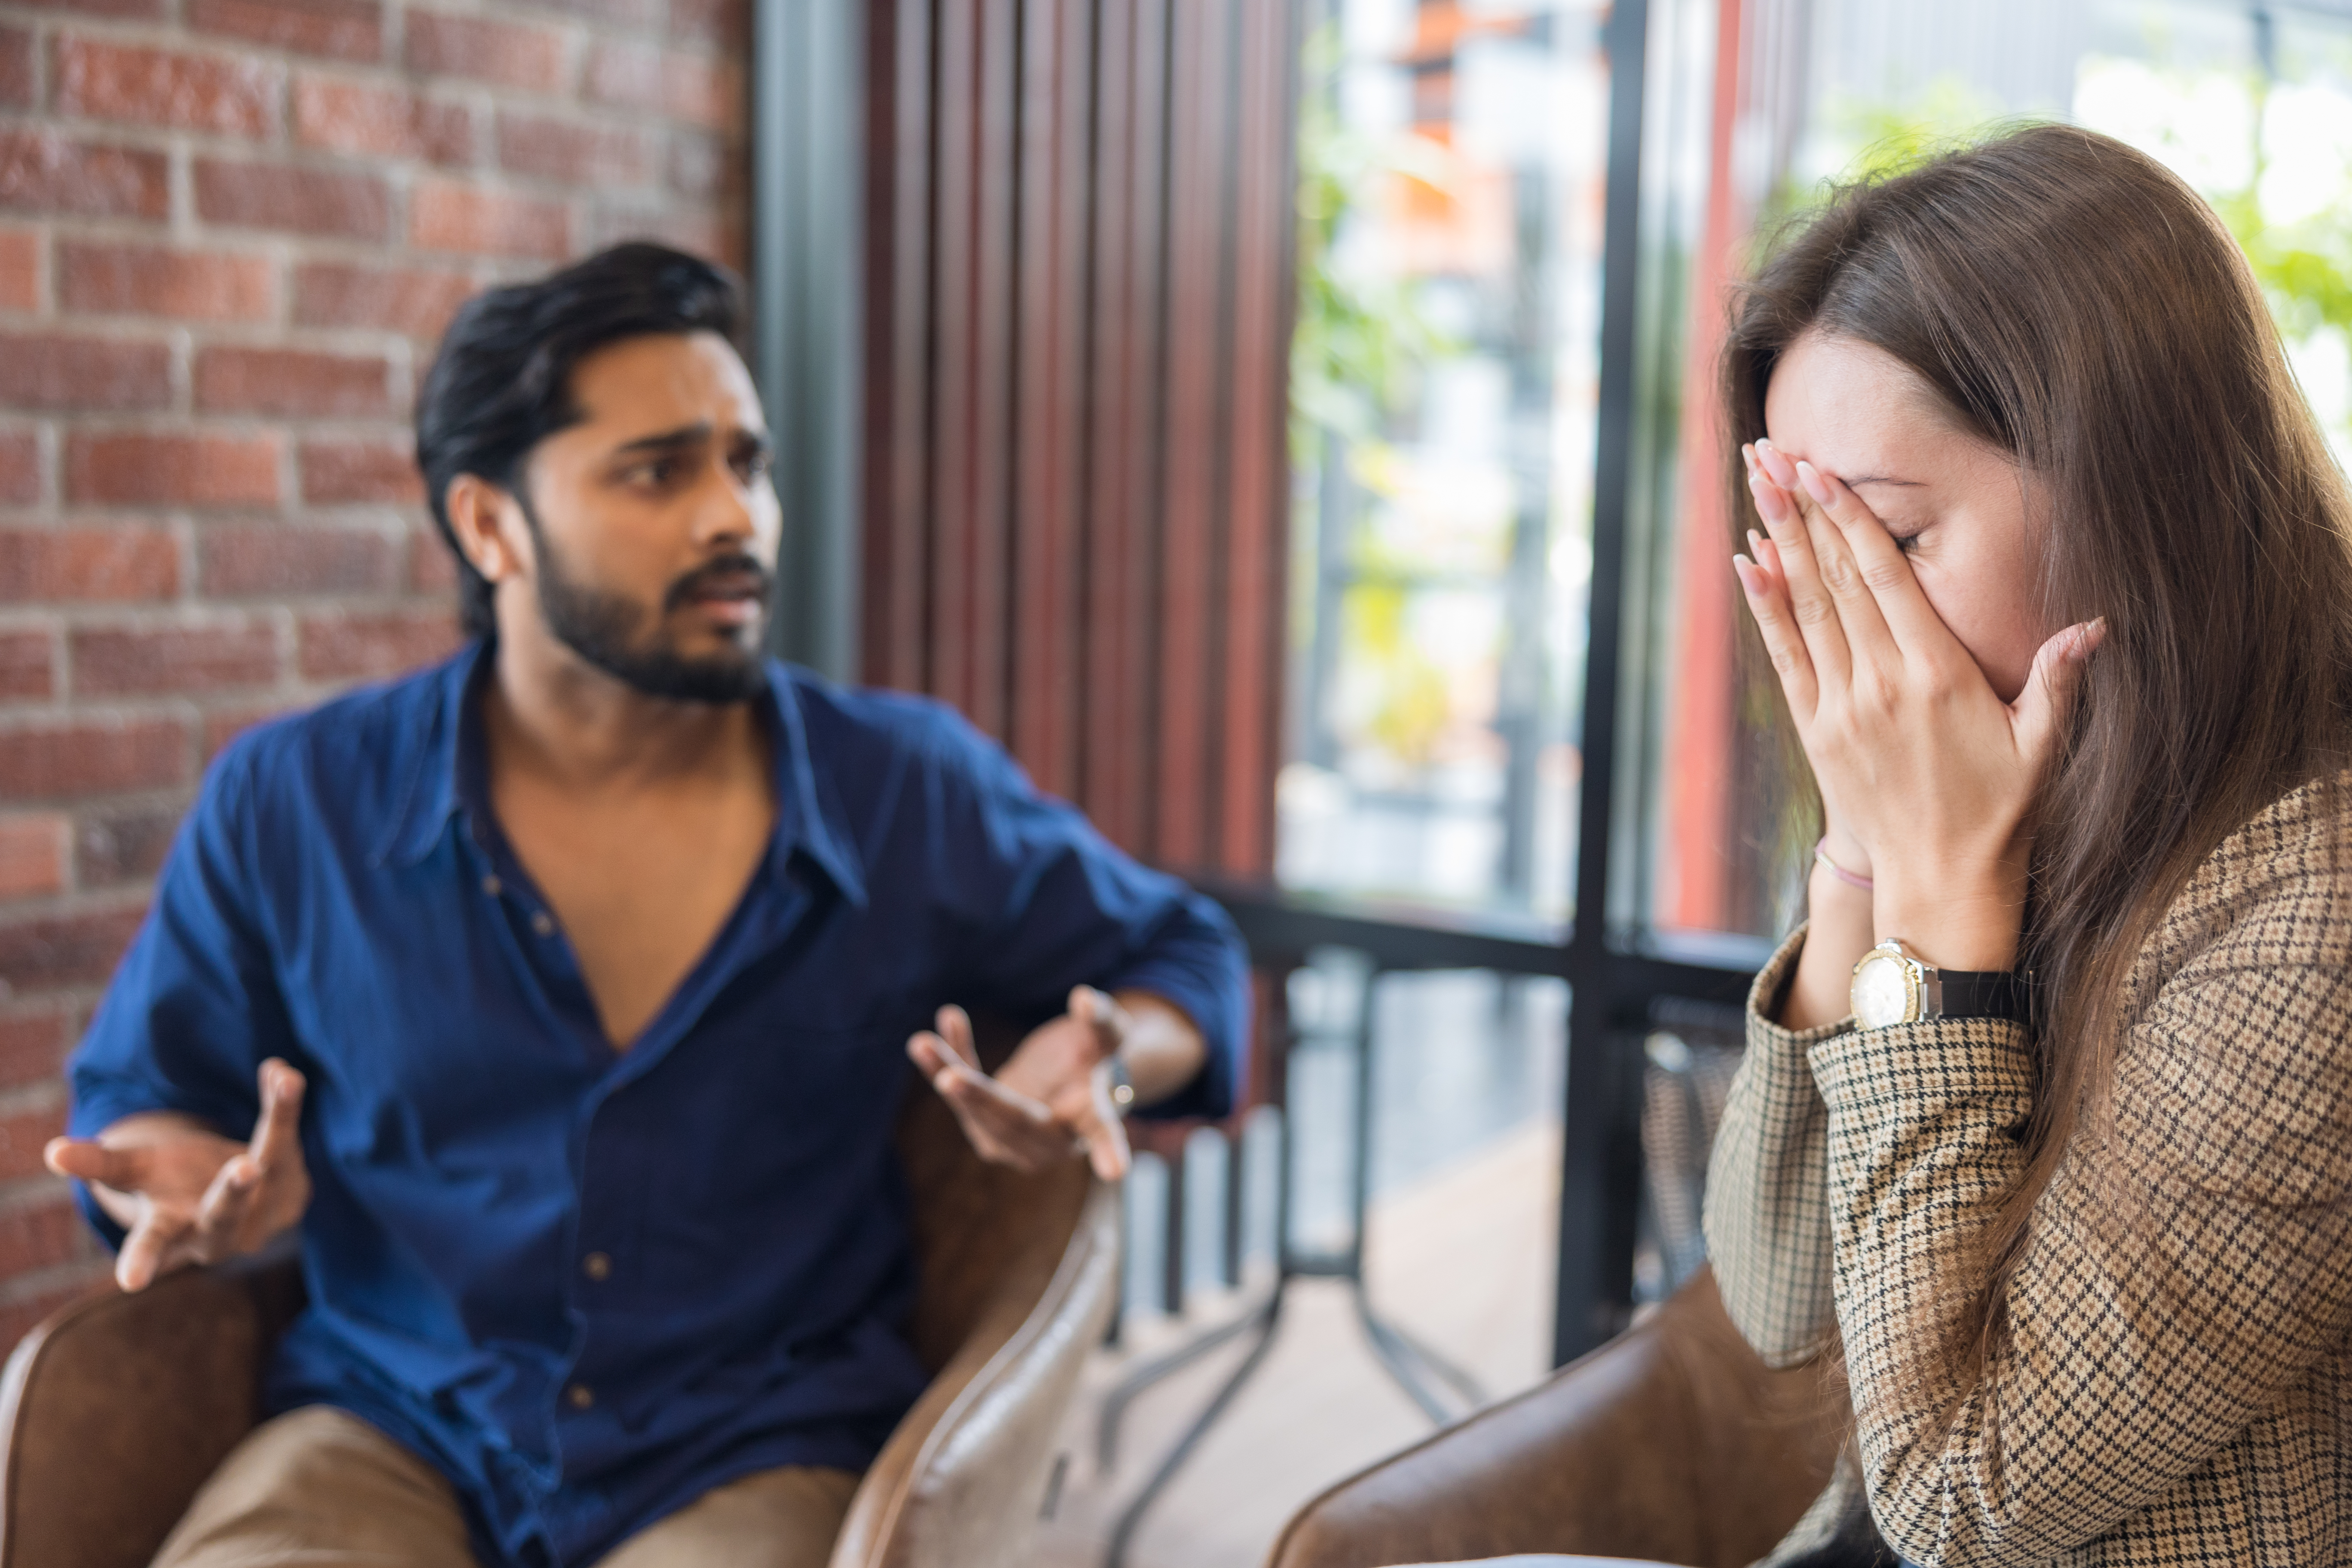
(1259, 487)
(985, 692)
(956, 306)
(1196, 237)
(898, 389)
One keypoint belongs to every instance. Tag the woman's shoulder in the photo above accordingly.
(2291, 862)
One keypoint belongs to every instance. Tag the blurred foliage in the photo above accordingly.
(1359, 343)
(1358, 339)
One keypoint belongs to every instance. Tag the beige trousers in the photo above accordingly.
(320, 1489)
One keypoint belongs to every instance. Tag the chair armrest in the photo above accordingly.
(1671, 1443)
(961, 1482)
(114, 1410)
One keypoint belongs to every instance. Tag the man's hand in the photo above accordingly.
(187, 1195)
(1054, 1095)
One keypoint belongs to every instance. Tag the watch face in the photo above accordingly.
(1881, 990)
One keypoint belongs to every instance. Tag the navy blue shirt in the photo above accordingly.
(340, 896)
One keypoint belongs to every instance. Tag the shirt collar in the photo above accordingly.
(807, 820)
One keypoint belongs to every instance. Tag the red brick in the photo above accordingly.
(432, 565)
(700, 90)
(229, 94)
(20, 469)
(292, 382)
(639, 14)
(22, 1138)
(151, 281)
(23, 1314)
(372, 121)
(167, 470)
(577, 153)
(101, 8)
(344, 647)
(20, 270)
(343, 30)
(65, 566)
(43, 1233)
(223, 725)
(702, 165)
(694, 230)
(283, 196)
(359, 470)
(34, 1042)
(446, 216)
(32, 855)
(275, 559)
(722, 22)
(120, 662)
(53, 372)
(695, 89)
(507, 53)
(414, 301)
(85, 756)
(128, 846)
(26, 669)
(42, 171)
(625, 76)
(16, 69)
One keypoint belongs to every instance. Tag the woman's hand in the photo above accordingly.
(1925, 772)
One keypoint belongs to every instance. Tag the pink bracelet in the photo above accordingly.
(1822, 853)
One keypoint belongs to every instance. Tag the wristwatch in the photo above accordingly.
(1894, 985)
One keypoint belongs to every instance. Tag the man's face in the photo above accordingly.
(653, 525)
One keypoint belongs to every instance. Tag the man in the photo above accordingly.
(559, 994)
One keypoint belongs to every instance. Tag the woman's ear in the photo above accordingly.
(478, 512)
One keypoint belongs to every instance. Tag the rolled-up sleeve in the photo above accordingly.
(1045, 903)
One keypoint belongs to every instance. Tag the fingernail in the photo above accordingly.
(1743, 570)
(1771, 504)
(1815, 486)
(1755, 545)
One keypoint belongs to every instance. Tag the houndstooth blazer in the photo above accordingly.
(2178, 1391)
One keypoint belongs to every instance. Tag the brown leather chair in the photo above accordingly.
(114, 1411)
(1671, 1443)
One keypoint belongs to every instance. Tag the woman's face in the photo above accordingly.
(1957, 505)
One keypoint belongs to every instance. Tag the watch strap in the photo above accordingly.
(1984, 993)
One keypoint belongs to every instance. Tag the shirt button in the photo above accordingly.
(579, 1397)
(597, 1265)
(491, 885)
(544, 923)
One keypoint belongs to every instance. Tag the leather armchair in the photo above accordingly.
(114, 1411)
(1671, 1443)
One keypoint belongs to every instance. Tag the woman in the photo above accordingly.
(2053, 573)
(2054, 578)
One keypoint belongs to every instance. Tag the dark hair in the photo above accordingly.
(502, 383)
(2072, 303)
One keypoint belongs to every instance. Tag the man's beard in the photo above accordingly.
(603, 628)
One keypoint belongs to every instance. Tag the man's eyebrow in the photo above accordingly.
(693, 435)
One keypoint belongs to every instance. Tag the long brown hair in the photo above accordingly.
(2075, 305)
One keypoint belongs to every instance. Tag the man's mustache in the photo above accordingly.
(728, 577)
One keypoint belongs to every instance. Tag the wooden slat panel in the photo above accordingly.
(1077, 462)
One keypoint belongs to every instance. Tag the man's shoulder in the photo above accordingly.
(349, 746)
(872, 724)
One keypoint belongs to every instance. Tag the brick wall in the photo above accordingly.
(230, 232)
